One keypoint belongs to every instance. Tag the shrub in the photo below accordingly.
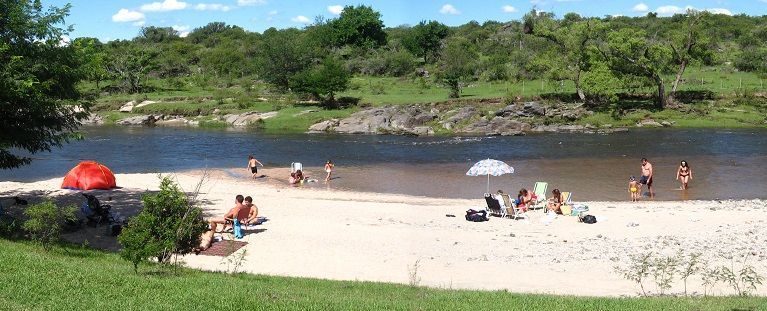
(46, 220)
(169, 223)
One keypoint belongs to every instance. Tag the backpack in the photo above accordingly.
(476, 216)
(589, 219)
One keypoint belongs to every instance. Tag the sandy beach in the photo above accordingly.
(333, 234)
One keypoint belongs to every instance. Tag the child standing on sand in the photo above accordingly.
(633, 189)
(328, 169)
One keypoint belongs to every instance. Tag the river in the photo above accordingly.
(725, 163)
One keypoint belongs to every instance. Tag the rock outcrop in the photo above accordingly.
(389, 120)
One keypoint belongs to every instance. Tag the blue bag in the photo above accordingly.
(237, 229)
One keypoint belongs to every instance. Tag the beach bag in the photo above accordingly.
(589, 219)
(476, 216)
(237, 229)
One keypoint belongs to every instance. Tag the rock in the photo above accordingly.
(571, 128)
(462, 114)
(127, 107)
(267, 115)
(497, 126)
(366, 121)
(324, 126)
(666, 124)
(172, 121)
(216, 111)
(145, 103)
(534, 108)
(648, 123)
(94, 119)
(423, 130)
(139, 120)
(246, 118)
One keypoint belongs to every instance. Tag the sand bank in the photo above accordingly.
(332, 234)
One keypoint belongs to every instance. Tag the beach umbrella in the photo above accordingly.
(490, 167)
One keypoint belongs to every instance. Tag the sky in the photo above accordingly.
(122, 19)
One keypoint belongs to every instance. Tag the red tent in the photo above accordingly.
(89, 175)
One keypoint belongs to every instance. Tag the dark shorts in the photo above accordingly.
(254, 169)
(645, 180)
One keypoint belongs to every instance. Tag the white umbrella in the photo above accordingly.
(490, 167)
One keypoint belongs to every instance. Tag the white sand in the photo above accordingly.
(379, 237)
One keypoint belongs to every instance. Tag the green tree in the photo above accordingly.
(129, 63)
(213, 33)
(689, 42)
(424, 40)
(323, 81)
(38, 81)
(360, 26)
(630, 52)
(170, 223)
(283, 54)
(91, 52)
(154, 34)
(457, 63)
(572, 38)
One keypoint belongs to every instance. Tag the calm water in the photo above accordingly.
(725, 163)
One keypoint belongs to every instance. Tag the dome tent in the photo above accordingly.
(89, 175)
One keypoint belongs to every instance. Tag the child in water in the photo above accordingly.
(633, 189)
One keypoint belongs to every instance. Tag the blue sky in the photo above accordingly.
(122, 19)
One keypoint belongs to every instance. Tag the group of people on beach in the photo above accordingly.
(683, 175)
(296, 177)
(243, 213)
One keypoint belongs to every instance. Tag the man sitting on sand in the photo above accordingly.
(231, 214)
(251, 217)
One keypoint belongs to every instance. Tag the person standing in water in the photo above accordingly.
(252, 165)
(684, 174)
(328, 169)
(647, 175)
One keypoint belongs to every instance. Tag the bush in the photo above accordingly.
(168, 224)
(46, 220)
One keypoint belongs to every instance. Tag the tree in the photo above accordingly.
(631, 52)
(213, 33)
(360, 26)
(689, 42)
(323, 81)
(424, 39)
(130, 63)
(572, 39)
(284, 54)
(170, 223)
(38, 81)
(456, 63)
(154, 34)
(91, 52)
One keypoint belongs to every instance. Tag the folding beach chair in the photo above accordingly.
(540, 193)
(511, 209)
(295, 166)
(494, 206)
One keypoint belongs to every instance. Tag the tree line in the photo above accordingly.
(595, 54)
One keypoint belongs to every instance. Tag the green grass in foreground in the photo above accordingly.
(68, 278)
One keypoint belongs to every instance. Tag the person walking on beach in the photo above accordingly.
(328, 169)
(684, 174)
(647, 175)
(252, 165)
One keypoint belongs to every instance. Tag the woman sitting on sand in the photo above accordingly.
(684, 174)
(292, 180)
(524, 199)
(555, 202)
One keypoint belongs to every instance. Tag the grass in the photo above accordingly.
(73, 278)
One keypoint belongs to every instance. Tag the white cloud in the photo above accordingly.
(250, 2)
(449, 9)
(212, 7)
(335, 9)
(669, 10)
(640, 7)
(722, 11)
(508, 9)
(183, 30)
(167, 5)
(125, 15)
(301, 19)
(273, 12)
(139, 23)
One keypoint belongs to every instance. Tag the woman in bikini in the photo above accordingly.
(555, 203)
(328, 169)
(684, 174)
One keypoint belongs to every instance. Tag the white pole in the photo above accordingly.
(488, 183)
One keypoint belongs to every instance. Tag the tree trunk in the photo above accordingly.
(679, 74)
(661, 100)
(578, 88)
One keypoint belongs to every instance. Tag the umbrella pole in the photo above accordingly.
(488, 183)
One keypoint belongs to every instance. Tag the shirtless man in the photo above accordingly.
(647, 175)
(252, 216)
(231, 214)
(252, 165)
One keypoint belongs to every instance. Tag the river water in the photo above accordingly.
(725, 163)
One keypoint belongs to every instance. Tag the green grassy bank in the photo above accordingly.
(68, 278)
